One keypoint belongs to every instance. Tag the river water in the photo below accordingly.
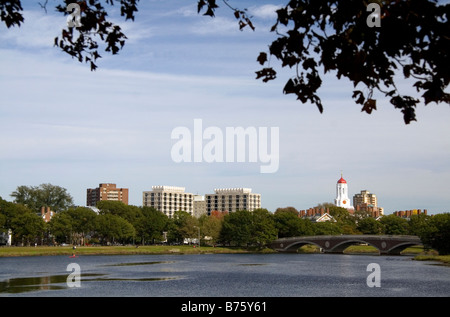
(223, 275)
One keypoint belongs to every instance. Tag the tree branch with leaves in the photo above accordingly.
(413, 38)
(313, 37)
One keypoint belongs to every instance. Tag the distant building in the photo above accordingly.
(169, 199)
(323, 218)
(342, 199)
(232, 199)
(372, 211)
(316, 215)
(94, 209)
(408, 213)
(365, 197)
(46, 214)
(6, 238)
(106, 192)
(365, 201)
(199, 206)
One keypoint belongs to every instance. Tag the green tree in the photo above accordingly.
(326, 228)
(113, 229)
(26, 226)
(7, 211)
(263, 229)
(244, 228)
(370, 225)
(2, 221)
(130, 213)
(35, 197)
(361, 214)
(236, 228)
(290, 225)
(183, 226)
(61, 227)
(151, 225)
(211, 226)
(291, 210)
(344, 220)
(394, 225)
(82, 222)
(313, 37)
(418, 224)
(340, 214)
(437, 234)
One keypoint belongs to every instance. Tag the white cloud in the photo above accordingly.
(267, 11)
(218, 26)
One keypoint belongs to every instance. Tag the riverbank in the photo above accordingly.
(417, 252)
(119, 250)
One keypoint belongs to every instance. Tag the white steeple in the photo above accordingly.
(342, 199)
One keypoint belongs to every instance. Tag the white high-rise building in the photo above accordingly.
(199, 205)
(169, 199)
(342, 199)
(232, 199)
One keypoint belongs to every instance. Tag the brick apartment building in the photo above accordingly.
(106, 192)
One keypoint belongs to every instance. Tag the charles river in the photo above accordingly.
(223, 275)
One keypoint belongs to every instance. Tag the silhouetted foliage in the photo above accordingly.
(333, 35)
(314, 36)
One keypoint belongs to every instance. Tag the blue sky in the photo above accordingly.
(60, 123)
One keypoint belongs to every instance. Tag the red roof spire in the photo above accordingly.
(342, 180)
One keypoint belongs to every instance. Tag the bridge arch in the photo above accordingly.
(341, 246)
(293, 247)
(385, 244)
(396, 250)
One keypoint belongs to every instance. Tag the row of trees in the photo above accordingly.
(117, 223)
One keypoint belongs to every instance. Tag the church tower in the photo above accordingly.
(342, 199)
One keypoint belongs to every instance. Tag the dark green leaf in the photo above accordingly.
(262, 58)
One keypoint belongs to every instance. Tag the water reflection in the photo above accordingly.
(28, 284)
(251, 264)
(139, 263)
(59, 282)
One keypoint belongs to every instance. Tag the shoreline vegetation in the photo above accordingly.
(418, 252)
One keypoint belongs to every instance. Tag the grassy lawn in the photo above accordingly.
(111, 250)
(445, 259)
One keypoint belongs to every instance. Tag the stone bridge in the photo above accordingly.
(386, 244)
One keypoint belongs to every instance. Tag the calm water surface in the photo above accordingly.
(224, 275)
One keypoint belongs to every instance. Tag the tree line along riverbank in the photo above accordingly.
(116, 223)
